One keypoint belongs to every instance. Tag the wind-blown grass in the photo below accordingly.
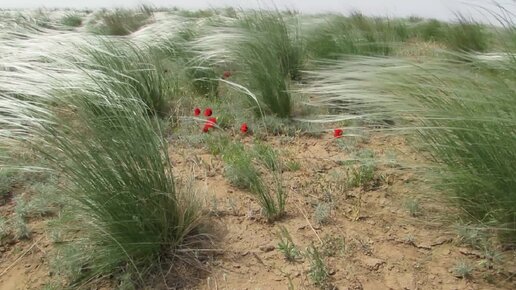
(135, 69)
(467, 35)
(355, 35)
(121, 21)
(267, 52)
(128, 213)
(462, 115)
(72, 20)
(271, 54)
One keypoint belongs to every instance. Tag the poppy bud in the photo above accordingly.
(244, 128)
(337, 133)
(226, 74)
(210, 123)
(208, 112)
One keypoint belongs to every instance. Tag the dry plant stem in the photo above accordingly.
(20, 257)
(308, 222)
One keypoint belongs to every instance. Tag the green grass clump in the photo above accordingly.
(72, 20)
(318, 271)
(466, 119)
(127, 209)
(268, 156)
(271, 53)
(430, 30)
(286, 245)
(121, 21)
(467, 36)
(242, 173)
(355, 35)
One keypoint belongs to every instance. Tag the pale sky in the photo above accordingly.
(441, 9)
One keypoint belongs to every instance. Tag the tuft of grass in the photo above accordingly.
(72, 20)
(293, 165)
(413, 207)
(117, 170)
(333, 246)
(242, 173)
(204, 80)
(354, 35)
(362, 173)
(268, 156)
(467, 35)
(458, 113)
(322, 213)
(463, 269)
(121, 21)
(286, 246)
(271, 53)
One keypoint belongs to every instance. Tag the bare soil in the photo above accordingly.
(370, 240)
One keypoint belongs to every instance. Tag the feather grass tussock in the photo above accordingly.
(128, 213)
(461, 113)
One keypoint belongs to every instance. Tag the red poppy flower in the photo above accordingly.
(226, 74)
(208, 112)
(206, 128)
(244, 128)
(337, 133)
(197, 112)
(210, 123)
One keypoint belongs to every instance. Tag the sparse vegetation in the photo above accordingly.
(413, 207)
(286, 246)
(242, 173)
(463, 270)
(318, 271)
(322, 213)
(114, 148)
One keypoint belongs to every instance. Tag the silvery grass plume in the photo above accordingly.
(460, 110)
(94, 131)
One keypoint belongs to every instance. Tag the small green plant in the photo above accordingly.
(239, 168)
(463, 270)
(21, 209)
(72, 20)
(293, 165)
(242, 173)
(286, 246)
(21, 230)
(318, 271)
(4, 231)
(6, 183)
(413, 207)
(362, 173)
(471, 236)
(322, 213)
(268, 156)
(333, 246)
(217, 143)
(204, 80)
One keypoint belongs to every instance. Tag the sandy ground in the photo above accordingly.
(369, 242)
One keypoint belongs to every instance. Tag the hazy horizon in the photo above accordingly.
(440, 9)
